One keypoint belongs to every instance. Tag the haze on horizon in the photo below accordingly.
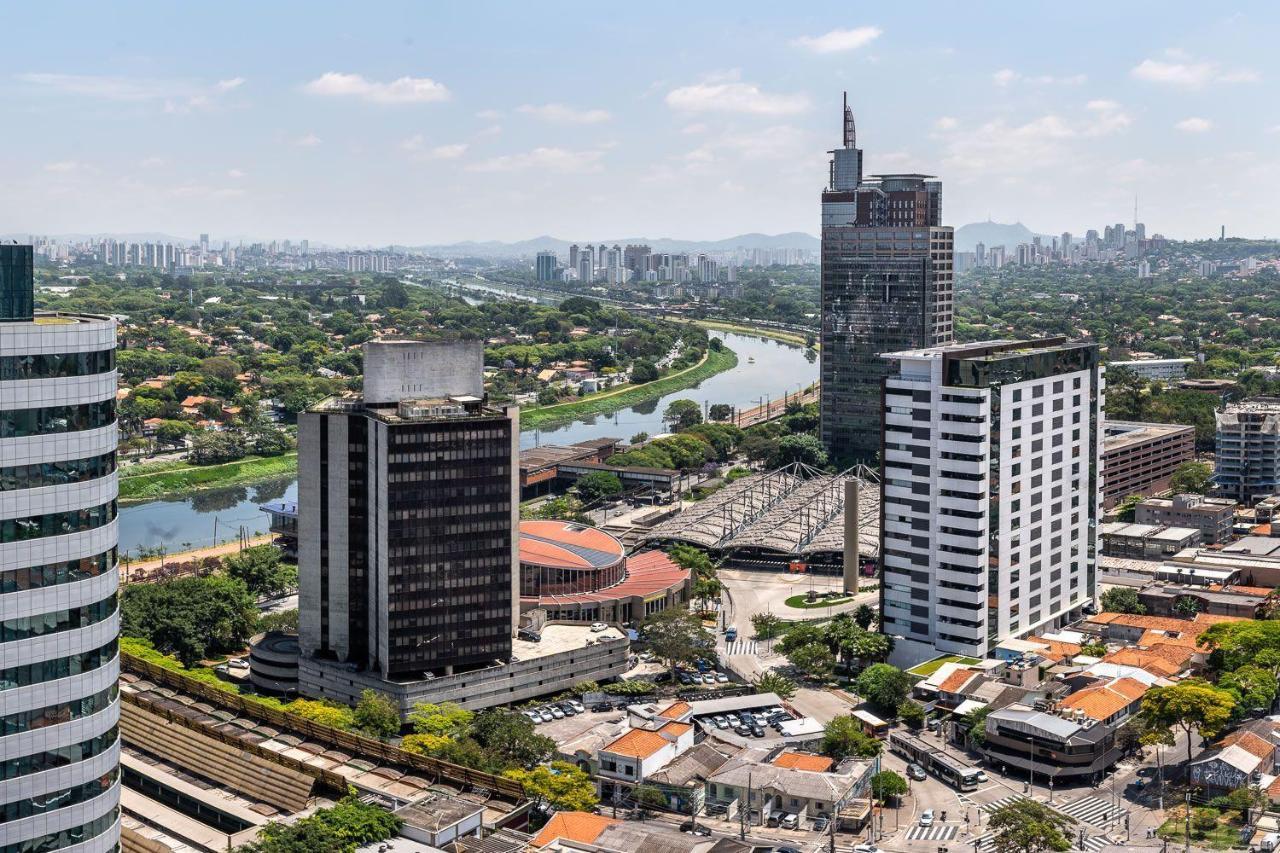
(415, 124)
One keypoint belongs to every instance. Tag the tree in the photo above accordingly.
(648, 797)
(1127, 507)
(674, 635)
(190, 617)
(814, 660)
(1189, 477)
(775, 682)
(597, 486)
(883, 685)
(911, 713)
(705, 589)
(1191, 704)
(640, 438)
(720, 412)
(844, 737)
(341, 829)
(214, 448)
(1237, 644)
(864, 616)
(801, 634)
(446, 719)
(766, 625)
(376, 715)
(682, 414)
(643, 370)
(173, 432)
(806, 449)
(1122, 599)
(694, 560)
(559, 786)
(1253, 687)
(887, 785)
(394, 295)
(1093, 650)
(261, 570)
(509, 739)
(1026, 826)
(267, 441)
(975, 724)
(870, 646)
(1186, 606)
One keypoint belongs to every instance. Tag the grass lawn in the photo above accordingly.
(803, 601)
(1222, 837)
(715, 361)
(929, 667)
(144, 482)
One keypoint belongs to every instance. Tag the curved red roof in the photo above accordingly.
(648, 573)
(565, 545)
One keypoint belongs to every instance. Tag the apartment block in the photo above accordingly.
(1140, 458)
(989, 492)
(1248, 450)
(1213, 517)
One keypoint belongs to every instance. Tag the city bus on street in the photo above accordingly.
(951, 770)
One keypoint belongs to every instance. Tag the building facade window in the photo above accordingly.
(20, 423)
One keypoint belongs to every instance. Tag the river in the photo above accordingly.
(193, 522)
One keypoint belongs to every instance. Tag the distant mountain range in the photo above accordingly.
(993, 234)
(496, 248)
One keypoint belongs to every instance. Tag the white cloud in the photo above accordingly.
(308, 140)
(63, 166)
(403, 90)
(1007, 76)
(201, 191)
(178, 95)
(544, 158)
(417, 147)
(1102, 105)
(696, 127)
(946, 123)
(489, 115)
(562, 114)
(151, 162)
(1194, 125)
(838, 41)
(726, 93)
(1003, 149)
(235, 173)
(1190, 74)
(777, 143)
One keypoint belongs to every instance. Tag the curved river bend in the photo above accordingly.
(766, 369)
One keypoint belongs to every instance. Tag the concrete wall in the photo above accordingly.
(404, 370)
(497, 685)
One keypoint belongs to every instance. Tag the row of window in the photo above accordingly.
(52, 574)
(57, 523)
(56, 365)
(58, 473)
(63, 712)
(66, 838)
(56, 621)
(30, 806)
(62, 756)
(20, 423)
(51, 670)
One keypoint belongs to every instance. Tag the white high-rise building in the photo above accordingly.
(59, 623)
(990, 495)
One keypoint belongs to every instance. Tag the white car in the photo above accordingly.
(238, 664)
(577, 706)
(545, 715)
(597, 627)
(926, 817)
(534, 716)
(556, 712)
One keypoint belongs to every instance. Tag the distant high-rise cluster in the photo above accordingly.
(1115, 243)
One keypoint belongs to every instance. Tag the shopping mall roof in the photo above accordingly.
(565, 545)
(648, 574)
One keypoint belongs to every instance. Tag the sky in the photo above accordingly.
(424, 123)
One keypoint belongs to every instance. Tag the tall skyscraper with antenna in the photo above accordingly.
(886, 287)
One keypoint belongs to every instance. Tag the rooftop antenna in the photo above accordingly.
(1135, 211)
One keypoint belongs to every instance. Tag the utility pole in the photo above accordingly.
(1187, 844)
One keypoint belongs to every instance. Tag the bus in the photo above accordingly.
(951, 770)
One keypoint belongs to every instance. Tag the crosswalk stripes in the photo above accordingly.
(1003, 801)
(740, 647)
(1092, 843)
(1096, 811)
(937, 832)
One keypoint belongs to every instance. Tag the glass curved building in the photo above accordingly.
(59, 622)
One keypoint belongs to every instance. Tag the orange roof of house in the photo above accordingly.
(803, 761)
(1103, 700)
(1243, 590)
(638, 743)
(1175, 653)
(1152, 638)
(676, 729)
(953, 682)
(1163, 623)
(1154, 663)
(582, 827)
(1249, 742)
(675, 711)
(1058, 650)
(196, 400)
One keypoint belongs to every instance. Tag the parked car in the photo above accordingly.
(926, 817)
(533, 715)
(556, 713)
(708, 678)
(820, 824)
(546, 715)
(789, 821)
(915, 771)
(721, 678)
(786, 848)
(567, 709)
(686, 678)
(602, 706)
(597, 627)
(694, 828)
(757, 731)
(742, 731)
(576, 705)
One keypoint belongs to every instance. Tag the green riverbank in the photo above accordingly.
(793, 338)
(150, 481)
(715, 361)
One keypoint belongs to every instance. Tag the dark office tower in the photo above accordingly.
(886, 287)
(408, 502)
(17, 293)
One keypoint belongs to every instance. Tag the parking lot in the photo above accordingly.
(572, 727)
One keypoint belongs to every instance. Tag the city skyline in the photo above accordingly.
(287, 128)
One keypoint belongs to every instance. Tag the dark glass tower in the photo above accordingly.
(17, 271)
(886, 287)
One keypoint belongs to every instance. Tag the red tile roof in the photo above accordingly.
(803, 761)
(582, 827)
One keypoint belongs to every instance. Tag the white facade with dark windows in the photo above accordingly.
(990, 492)
(59, 623)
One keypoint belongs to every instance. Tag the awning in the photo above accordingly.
(968, 705)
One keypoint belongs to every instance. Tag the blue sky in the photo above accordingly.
(420, 123)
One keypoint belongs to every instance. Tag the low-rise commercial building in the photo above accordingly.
(1161, 599)
(1156, 368)
(753, 780)
(1140, 458)
(1146, 541)
(1213, 517)
(1245, 757)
